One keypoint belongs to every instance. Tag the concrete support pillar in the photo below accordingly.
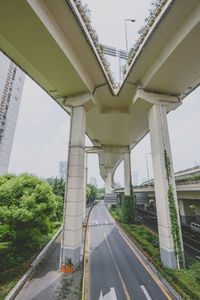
(159, 142)
(85, 183)
(185, 211)
(73, 204)
(108, 185)
(127, 173)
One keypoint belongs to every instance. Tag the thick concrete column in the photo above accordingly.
(185, 212)
(74, 195)
(108, 185)
(159, 142)
(85, 183)
(127, 173)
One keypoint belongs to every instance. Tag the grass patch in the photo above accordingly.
(186, 280)
(11, 271)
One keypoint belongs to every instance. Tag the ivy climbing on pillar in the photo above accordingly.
(175, 230)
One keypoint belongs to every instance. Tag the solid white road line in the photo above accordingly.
(189, 238)
(191, 247)
(145, 292)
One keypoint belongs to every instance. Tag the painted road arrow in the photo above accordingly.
(110, 296)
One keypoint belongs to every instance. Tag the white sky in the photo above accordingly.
(42, 130)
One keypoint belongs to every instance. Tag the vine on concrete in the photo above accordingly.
(175, 231)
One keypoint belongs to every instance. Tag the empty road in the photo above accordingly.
(115, 270)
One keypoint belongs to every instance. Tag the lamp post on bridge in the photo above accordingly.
(126, 36)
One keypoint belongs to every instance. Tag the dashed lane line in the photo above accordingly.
(117, 268)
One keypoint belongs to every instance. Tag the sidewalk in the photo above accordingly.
(48, 283)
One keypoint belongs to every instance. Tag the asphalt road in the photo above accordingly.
(191, 242)
(114, 269)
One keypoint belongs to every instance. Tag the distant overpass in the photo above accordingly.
(188, 193)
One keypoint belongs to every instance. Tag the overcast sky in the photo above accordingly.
(42, 130)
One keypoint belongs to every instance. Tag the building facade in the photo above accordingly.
(62, 170)
(93, 181)
(11, 86)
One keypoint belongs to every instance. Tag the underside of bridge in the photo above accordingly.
(51, 42)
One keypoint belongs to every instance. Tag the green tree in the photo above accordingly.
(128, 209)
(58, 186)
(59, 208)
(101, 190)
(88, 192)
(50, 181)
(93, 192)
(26, 206)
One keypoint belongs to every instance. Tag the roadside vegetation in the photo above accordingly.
(184, 180)
(185, 281)
(30, 214)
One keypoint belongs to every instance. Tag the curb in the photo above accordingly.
(13, 293)
(170, 290)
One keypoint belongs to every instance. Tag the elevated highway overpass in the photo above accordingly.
(54, 44)
(188, 194)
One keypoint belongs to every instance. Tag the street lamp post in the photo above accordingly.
(126, 37)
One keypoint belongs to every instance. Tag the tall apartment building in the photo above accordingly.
(11, 86)
(62, 170)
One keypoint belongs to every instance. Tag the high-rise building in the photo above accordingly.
(93, 181)
(11, 86)
(62, 170)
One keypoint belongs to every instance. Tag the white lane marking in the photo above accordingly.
(191, 247)
(145, 292)
(198, 257)
(95, 221)
(110, 296)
